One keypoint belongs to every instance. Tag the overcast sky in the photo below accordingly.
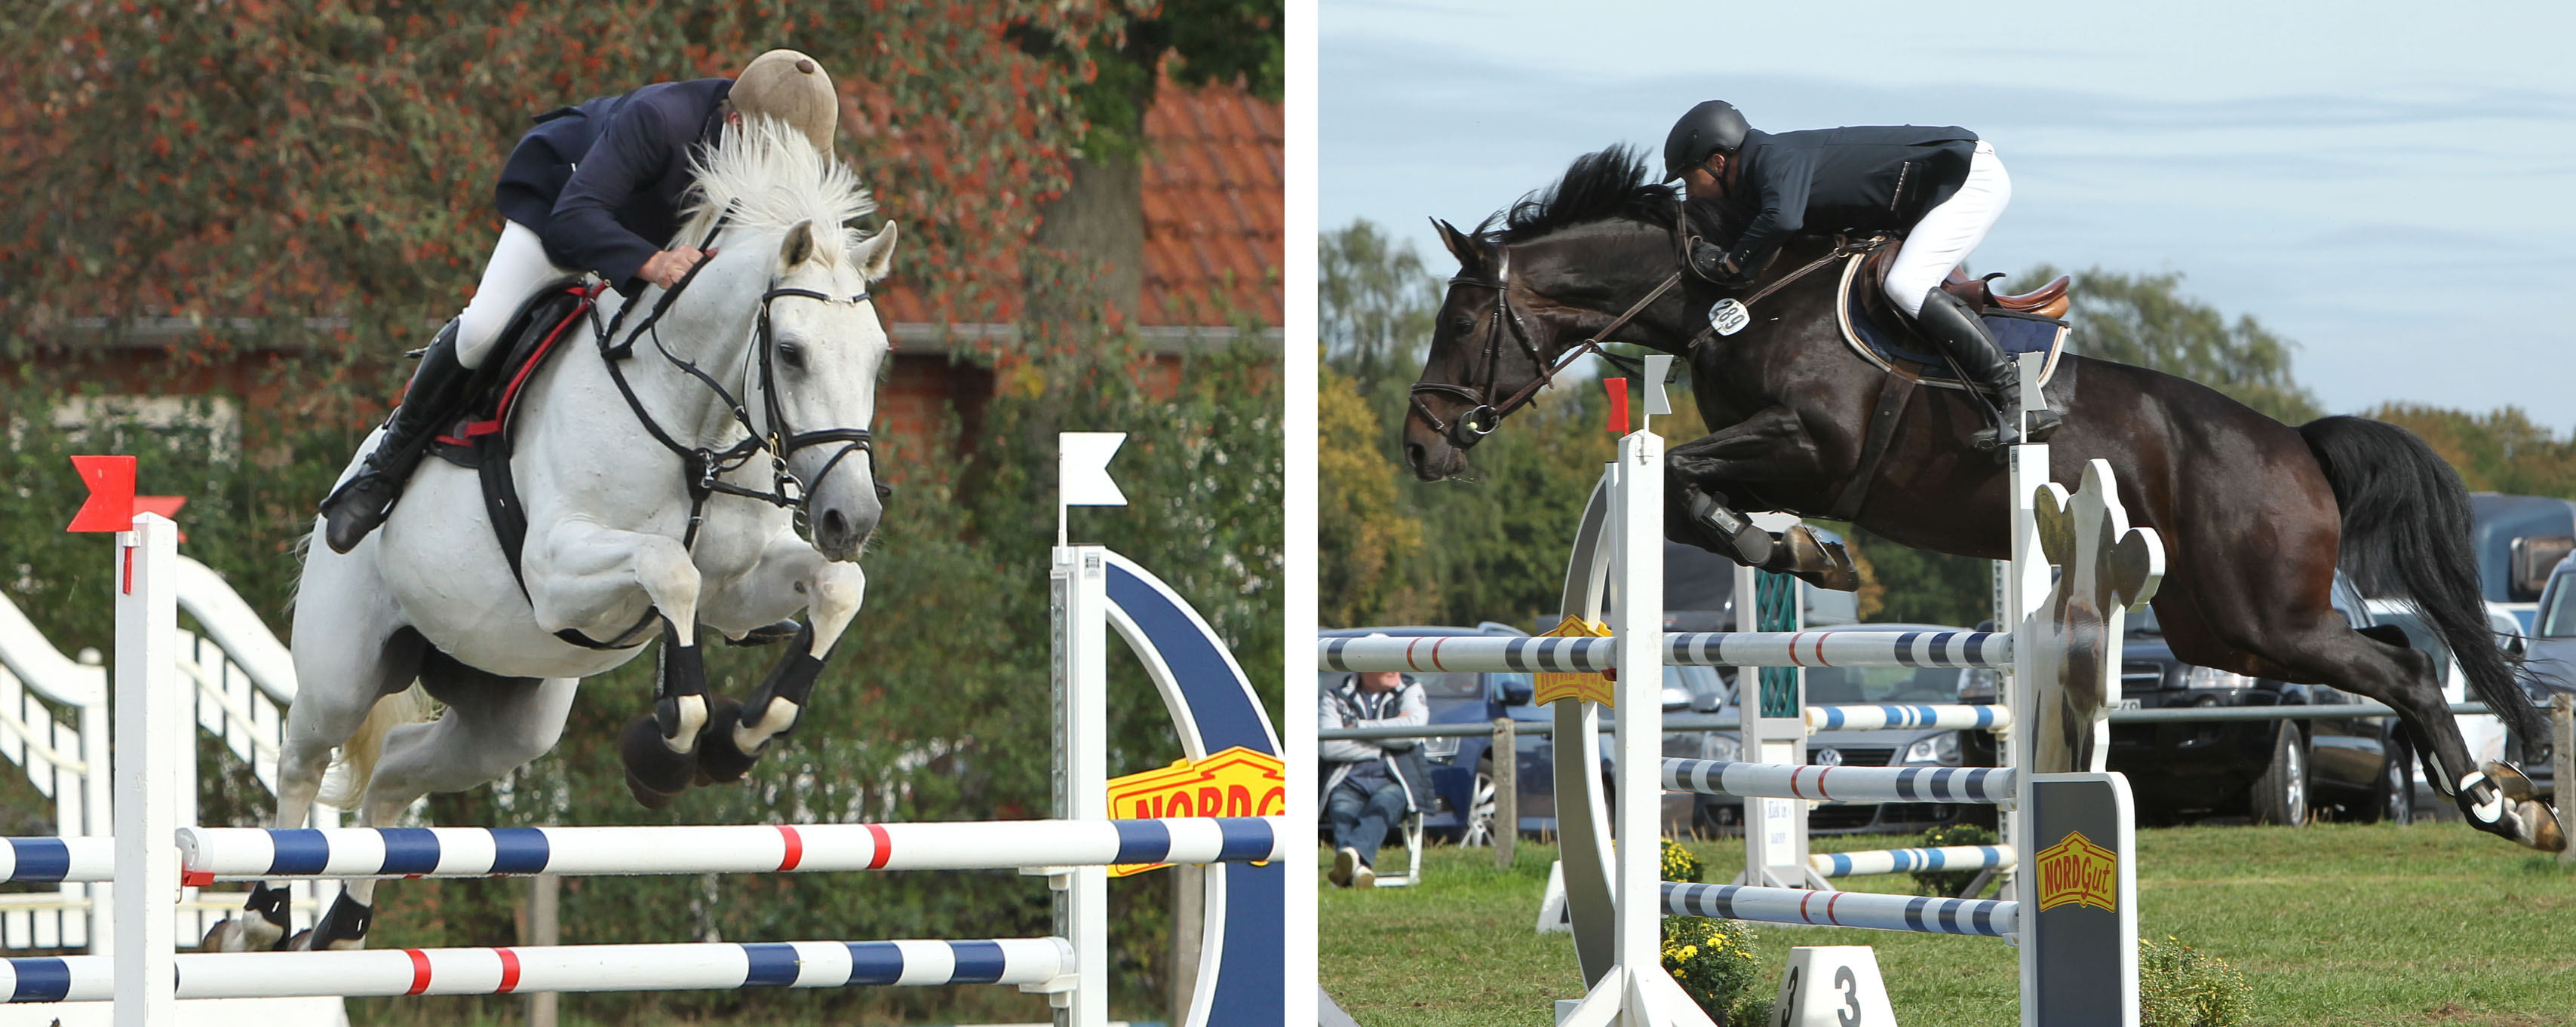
(2392, 186)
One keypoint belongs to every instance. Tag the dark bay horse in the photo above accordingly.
(2255, 515)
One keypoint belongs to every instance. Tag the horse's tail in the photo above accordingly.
(2406, 523)
(345, 784)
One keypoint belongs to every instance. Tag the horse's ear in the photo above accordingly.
(875, 254)
(1470, 253)
(798, 246)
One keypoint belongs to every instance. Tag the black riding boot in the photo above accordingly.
(1947, 321)
(437, 386)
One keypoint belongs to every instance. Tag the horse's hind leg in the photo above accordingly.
(2311, 642)
(492, 726)
(833, 592)
(351, 651)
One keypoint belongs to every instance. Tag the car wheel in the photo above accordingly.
(2392, 799)
(1479, 827)
(2281, 794)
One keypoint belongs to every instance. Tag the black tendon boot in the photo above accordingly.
(437, 386)
(1947, 321)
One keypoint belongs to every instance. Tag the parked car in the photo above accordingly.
(2550, 654)
(1462, 768)
(1723, 814)
(2277, 771)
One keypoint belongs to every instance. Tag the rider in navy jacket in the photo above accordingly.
(601, 181)
(1940, 187)
(593, 187)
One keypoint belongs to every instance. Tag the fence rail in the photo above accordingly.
(1728, 721)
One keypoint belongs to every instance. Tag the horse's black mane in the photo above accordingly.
(1611, 183)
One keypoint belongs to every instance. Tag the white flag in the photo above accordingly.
(1082, 468)
(1657, 367)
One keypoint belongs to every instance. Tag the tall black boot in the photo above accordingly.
(437, 387)
(1947, 321)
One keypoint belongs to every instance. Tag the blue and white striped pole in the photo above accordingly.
(1900, 861)
(374, 973)
(1981, 785)
(1476, 653)
(252, 853)
(1919, 914)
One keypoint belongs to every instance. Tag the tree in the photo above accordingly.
(2498, 451)
(2146, 320)
(1378, 303)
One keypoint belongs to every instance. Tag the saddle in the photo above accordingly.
(2031, 322)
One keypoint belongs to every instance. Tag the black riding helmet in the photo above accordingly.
(1714, 126)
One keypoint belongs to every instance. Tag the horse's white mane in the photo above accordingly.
(766, 177)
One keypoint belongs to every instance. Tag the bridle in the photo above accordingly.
(703, 468)
(1485, 412)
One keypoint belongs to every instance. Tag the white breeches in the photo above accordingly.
(1949, 232)
(518, 269)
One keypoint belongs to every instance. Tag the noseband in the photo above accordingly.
(1485, 413)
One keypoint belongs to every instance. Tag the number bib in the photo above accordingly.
(1729, 317)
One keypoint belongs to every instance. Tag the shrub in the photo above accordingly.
(1711, 959)
(1679, 864)
(1949, 882)
(2180, 986)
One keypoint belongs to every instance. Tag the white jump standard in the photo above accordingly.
(2075, 913)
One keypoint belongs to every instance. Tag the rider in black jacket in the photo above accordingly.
(593, 187)
(1941, 187)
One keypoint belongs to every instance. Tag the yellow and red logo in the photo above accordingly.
(1587, 687)
(1237, 782)
(2078, 871)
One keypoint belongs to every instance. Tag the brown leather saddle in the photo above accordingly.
(2021, 323)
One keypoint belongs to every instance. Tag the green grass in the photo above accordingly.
(2336, 924)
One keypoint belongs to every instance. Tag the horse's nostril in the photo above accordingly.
(835, 525)
(1413, 453)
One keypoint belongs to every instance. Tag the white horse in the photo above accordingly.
(779, 318)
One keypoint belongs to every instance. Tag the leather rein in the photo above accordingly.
(1485, 414)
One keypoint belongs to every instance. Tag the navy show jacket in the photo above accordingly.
(1876, 178)
(602, 182)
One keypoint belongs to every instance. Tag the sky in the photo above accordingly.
(2390, 186)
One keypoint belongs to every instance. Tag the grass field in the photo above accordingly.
(2338, 924)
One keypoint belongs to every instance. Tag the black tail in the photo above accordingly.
(2406, 523)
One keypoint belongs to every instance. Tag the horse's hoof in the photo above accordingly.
(719, 759)
(2540, 826)
(651, 767)
(768, 634)
(241, 934)
(1816, 561)
(2510, 780)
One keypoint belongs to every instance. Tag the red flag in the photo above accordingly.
(111, 493)
(1618, 404)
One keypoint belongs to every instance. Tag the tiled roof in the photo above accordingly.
(1214, 227)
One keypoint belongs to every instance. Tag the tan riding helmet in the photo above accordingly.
(793, 88)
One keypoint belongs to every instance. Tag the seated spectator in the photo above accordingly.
(1371, 785)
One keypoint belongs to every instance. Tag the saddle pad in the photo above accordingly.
(1901, 353)
(534, 334)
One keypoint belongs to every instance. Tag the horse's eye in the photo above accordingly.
(791, 355)
(1463, 324)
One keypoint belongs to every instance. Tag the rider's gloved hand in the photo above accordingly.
(666, 268)
(1716, 265)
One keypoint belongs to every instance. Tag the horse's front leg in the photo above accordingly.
(1771, 445)
(833, 593)
(583, 579)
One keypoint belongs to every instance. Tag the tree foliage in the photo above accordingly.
(281, 161)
